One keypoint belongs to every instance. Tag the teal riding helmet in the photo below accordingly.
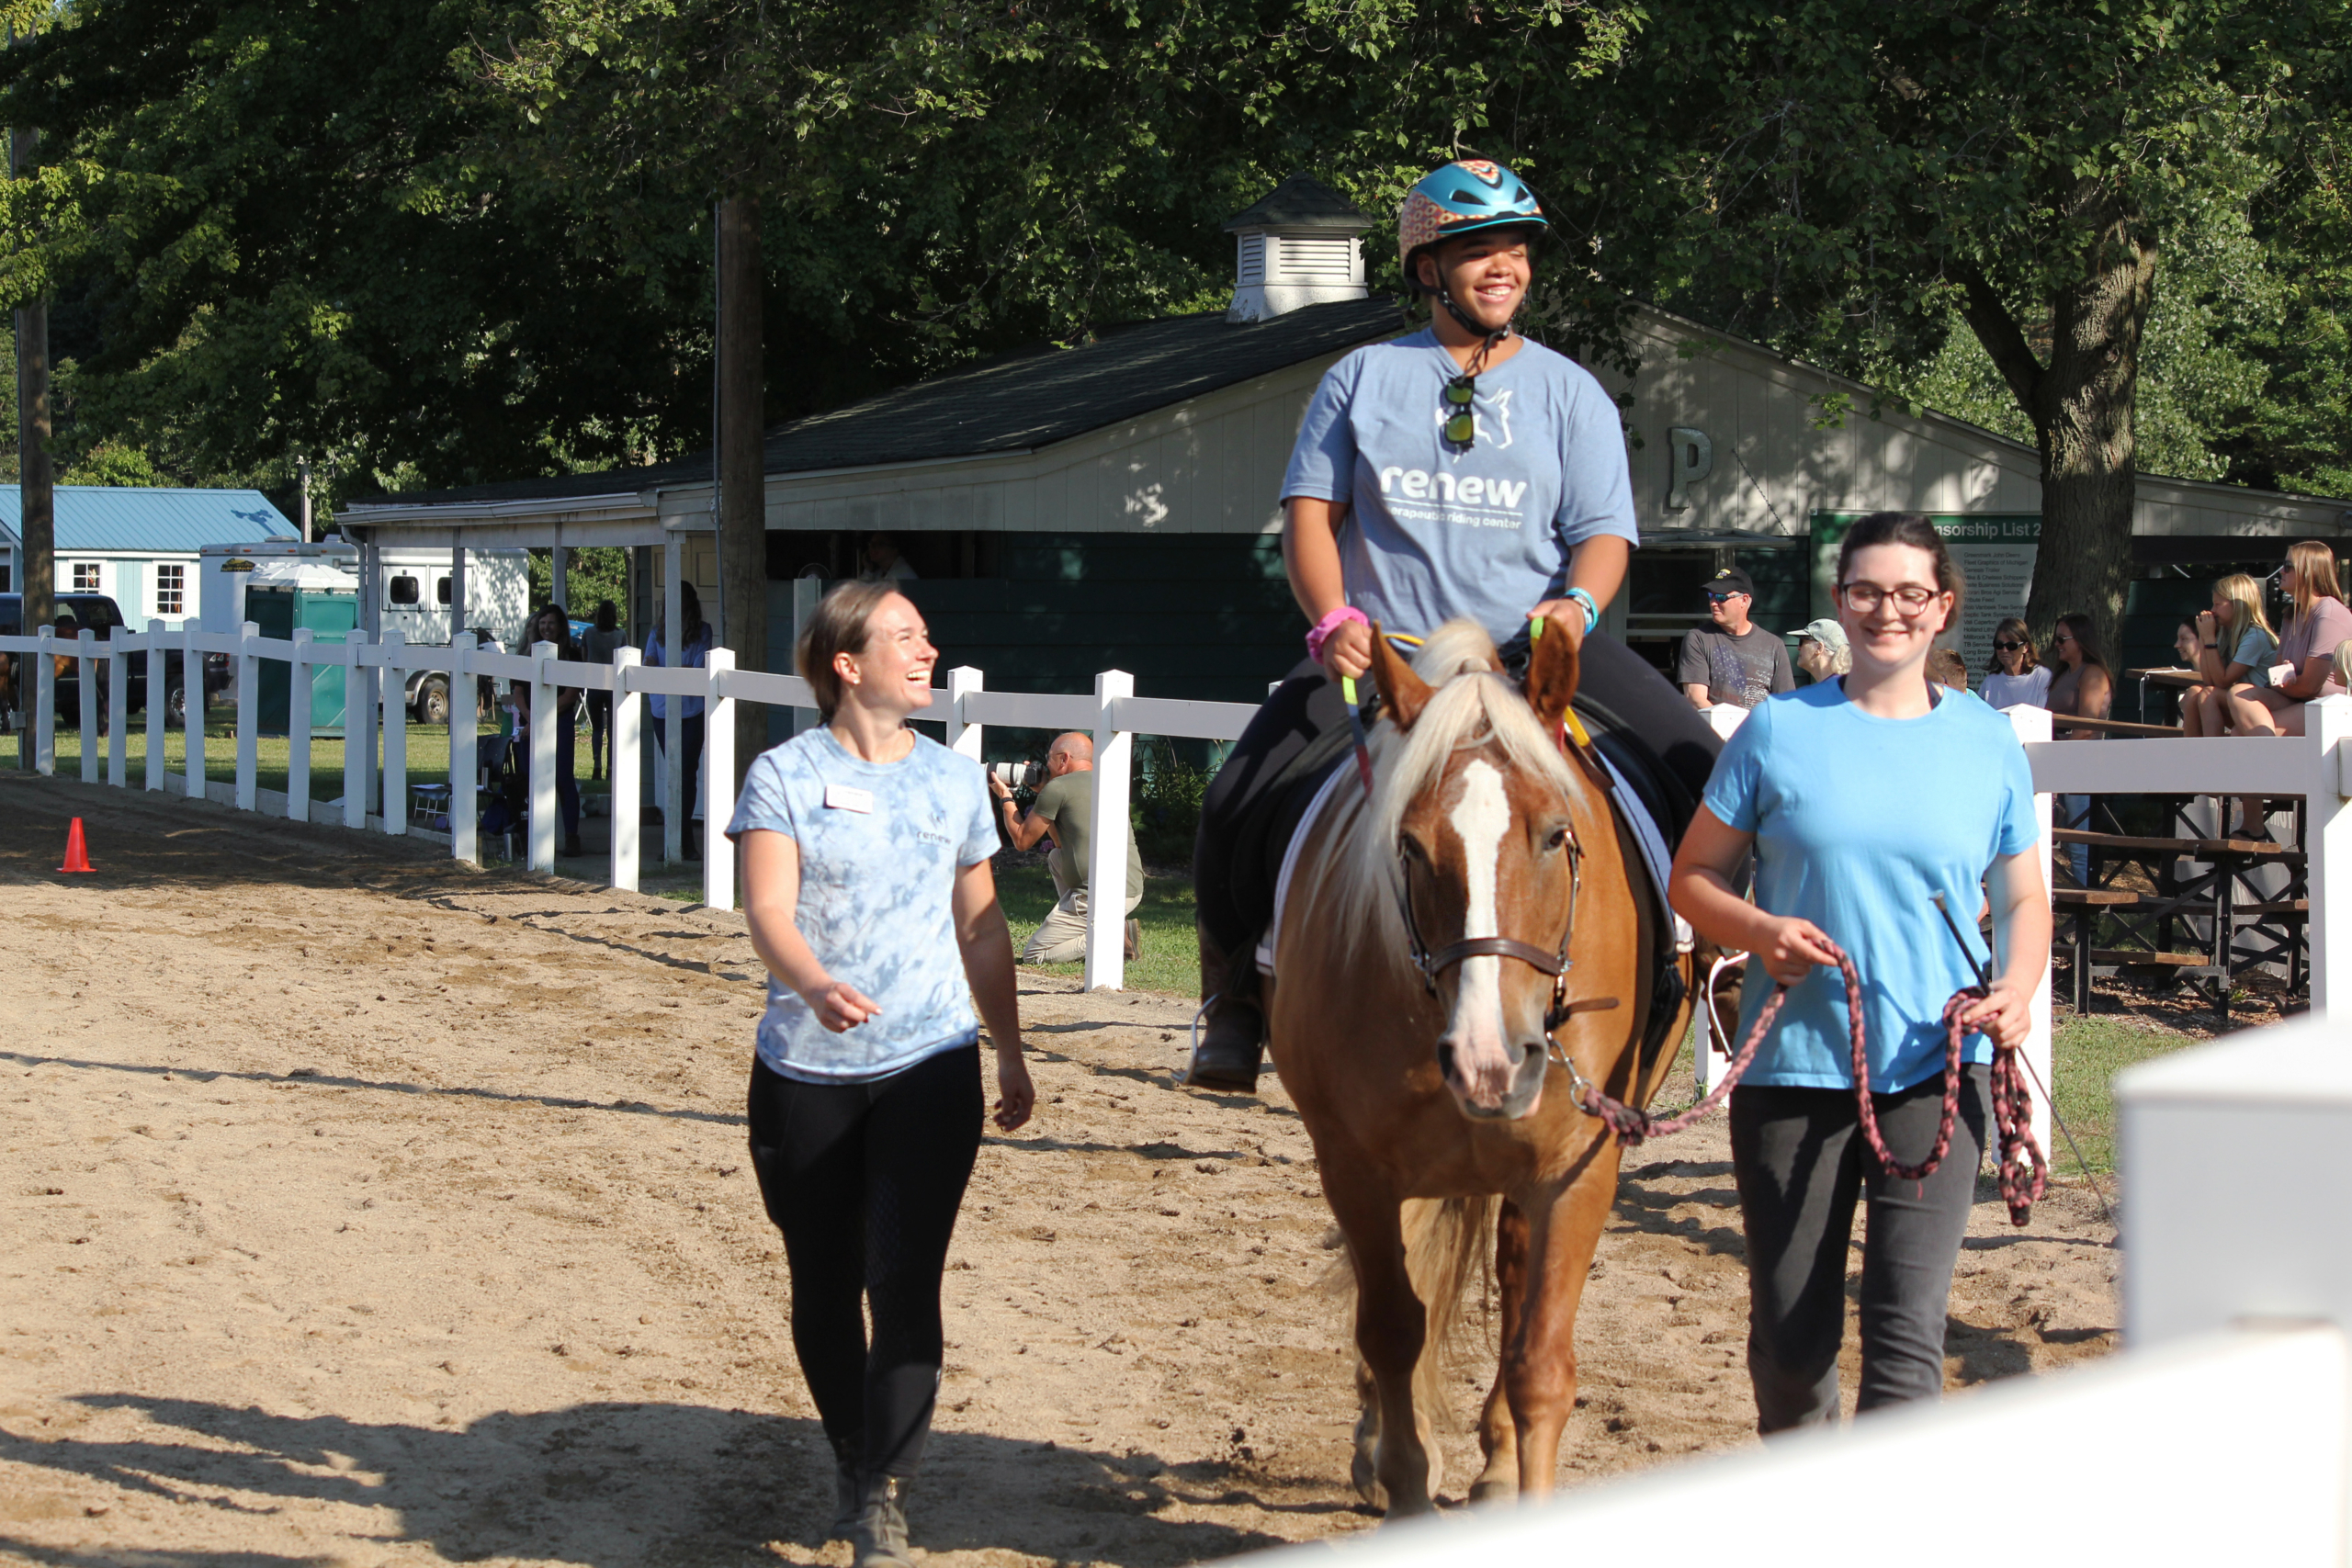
(1462, 198)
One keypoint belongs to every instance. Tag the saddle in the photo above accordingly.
(1263, 837)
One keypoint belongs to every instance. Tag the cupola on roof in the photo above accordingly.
(1296, 245)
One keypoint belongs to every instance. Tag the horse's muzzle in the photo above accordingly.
(1508, 1095)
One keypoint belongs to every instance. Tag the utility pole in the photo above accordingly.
(37, 493)
(739, 465)
(302, 504)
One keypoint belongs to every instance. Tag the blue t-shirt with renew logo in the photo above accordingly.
(1857, 820)
(1435, 531)
(880, 844)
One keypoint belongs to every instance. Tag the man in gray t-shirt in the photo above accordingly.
(1065, 806)
(1733, 660)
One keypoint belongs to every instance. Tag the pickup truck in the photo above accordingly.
(101, 614)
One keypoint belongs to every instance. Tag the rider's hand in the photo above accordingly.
(1792, 948)
(1348, 650)
(1015, 1095)
(839, 1008)
(1558, 615)
(2004, 1014)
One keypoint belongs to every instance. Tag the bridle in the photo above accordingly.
(1556, 964)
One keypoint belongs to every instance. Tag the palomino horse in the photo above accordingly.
(1434, 936)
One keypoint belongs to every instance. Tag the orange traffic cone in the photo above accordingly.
(77, 854)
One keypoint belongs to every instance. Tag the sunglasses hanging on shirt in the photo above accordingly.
(1461, 425)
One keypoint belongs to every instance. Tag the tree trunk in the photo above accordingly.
(2082, 404)
(37, 497)
(742, 467)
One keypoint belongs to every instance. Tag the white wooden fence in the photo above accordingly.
(2310, 766)
(1113, 716)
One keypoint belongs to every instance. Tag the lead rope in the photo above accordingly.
(2024, 1173)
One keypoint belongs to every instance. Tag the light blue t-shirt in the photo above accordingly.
(1857, 820)
(880, 845)
(2257, 651)
(1434, 531)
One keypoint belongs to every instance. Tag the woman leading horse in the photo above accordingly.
(1460, 471)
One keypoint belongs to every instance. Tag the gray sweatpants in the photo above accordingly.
(1801, 1163)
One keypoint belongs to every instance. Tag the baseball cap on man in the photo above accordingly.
(1731, 580)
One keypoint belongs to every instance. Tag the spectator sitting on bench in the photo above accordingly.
(1065, 806)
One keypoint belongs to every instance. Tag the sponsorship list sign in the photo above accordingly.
(1994, 550)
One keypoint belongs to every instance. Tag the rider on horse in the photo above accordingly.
(1456, 471)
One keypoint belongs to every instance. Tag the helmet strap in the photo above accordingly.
(1470, 324)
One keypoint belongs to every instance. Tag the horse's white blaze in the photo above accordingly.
(1480, 817)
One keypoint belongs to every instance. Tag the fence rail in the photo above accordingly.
(376, 767)
(376, 751)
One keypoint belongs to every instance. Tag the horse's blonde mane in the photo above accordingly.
(1471, 703)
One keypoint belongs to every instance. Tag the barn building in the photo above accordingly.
(1114, 504)
(137, 545)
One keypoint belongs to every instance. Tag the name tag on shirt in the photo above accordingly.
(841, 797)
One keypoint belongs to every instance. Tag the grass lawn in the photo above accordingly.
(2088, 1053)
(1169, 956)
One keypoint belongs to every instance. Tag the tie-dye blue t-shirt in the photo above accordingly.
(880, 845)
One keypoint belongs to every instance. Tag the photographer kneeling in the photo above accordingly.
(1066, 805)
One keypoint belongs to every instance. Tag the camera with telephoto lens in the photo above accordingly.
(1021, 778)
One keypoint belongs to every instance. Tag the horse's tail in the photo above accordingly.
(1447, 1247)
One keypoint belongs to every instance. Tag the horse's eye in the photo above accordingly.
(1410, 848)
(1558, 841)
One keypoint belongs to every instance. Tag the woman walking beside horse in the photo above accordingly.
(868, 890)
(1864, 798)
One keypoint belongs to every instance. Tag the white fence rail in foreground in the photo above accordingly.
(2221, 1434)
(1111, 716)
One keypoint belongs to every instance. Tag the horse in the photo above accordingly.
(1439, 934)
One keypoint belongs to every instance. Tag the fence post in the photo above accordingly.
(806, 593)
(119, 701)
(718, 783)
(159, 701)
(298, 728)
(356, 735)
(248, 712)
(542, 822)
(2327, 837)
(465, 748)
(1106, 878)
(2032, 726)
(628, 801)
(86, 665)
(963, 738)
(192, 705)
(45, 702)
(395, 689)
(674, 717)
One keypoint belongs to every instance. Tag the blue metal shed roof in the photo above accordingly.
(112, 517)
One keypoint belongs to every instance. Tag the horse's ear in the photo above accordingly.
(1552, 668)
(1402, 692)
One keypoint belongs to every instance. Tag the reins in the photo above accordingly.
(2024, 1173)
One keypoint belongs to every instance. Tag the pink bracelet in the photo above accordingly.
(1323, 629)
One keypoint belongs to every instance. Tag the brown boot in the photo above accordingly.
(1230, 1032)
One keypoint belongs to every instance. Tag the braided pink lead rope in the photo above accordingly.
(2023, 1172)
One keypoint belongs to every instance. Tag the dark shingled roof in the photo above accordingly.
(1299, 202)
(1015, 403)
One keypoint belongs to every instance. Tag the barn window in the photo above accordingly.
(85, 576)
(171, 584)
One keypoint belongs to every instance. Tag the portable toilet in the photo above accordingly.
(282, 596)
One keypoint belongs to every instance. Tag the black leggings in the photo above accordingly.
(864, 1180)
(1234, 897)
(1801, 1164)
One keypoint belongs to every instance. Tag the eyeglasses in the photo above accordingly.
(2008, 647)
(2062, 636)
(1715, 598)
(1864, 598)
(1462, 424)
